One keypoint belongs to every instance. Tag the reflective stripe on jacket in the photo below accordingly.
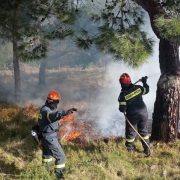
(130, 100)
(48, 119)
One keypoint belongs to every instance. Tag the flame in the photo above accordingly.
(71, 128)
(67, 119)
(72, 135)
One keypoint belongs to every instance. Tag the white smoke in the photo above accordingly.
(105, 108)
(110, 120)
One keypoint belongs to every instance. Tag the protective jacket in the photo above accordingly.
(48, 119)
(130, 98)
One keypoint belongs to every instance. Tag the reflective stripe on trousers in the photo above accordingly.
(130, 140)
(59, 166)
(47, 160)
(146, 137)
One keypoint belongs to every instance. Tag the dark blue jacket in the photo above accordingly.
(48, 119)
(130, 98)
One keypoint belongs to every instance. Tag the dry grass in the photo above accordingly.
(100, 159)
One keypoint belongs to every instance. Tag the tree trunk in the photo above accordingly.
(17, 78)
(166, 107)
(169, 57)
(42, 72)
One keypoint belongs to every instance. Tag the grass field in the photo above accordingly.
(99, 159)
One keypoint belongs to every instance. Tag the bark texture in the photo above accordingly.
(166, 107)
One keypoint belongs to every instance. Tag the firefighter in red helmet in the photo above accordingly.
(48, 127)
(131, 102)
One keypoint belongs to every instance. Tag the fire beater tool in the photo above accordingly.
(137, 133)
(152, 75)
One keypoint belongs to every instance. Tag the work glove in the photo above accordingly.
(144, 79)
(70, 111)
(60, 114)
(123, 108)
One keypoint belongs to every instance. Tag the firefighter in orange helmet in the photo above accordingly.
(131, 102)
(48, 127)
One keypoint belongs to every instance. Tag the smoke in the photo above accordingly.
(95, 97)
(110, 121)
(105, 108)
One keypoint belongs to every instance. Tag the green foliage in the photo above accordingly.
(29, 51)
(120, 32)
(83, 40)
(59, 33)
(169, 28)
(20, 21)
(172, 7)
(121, 14)
(130, 49)
(28, 22)
(131, 46)
(83, 43)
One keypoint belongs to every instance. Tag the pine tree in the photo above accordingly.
(65, 14)
(26, 25)
(165, 22)
(121, 35)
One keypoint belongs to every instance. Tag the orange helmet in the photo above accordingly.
(125, 79)
(54, 95)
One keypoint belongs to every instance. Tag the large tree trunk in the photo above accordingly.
(166, 107)
(17, 78)
(169, 57)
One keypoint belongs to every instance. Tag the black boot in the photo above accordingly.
(147, 152)
(59, 174)
(130, 146)
(146, 147)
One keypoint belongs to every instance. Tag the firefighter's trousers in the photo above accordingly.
(139, 120)
(52, 148)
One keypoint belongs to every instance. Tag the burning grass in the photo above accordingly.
(94, 158)
(75, 130)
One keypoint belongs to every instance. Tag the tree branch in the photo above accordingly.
(154, 9)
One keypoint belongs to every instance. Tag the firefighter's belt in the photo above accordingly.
(133, 94)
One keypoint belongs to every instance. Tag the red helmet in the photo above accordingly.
(125, 79)
(54, 95)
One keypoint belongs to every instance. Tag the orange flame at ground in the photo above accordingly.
(70, 128)
(73, 135)
(67, 119)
